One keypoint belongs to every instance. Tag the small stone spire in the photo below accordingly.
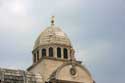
(52, 20)
(72, 54)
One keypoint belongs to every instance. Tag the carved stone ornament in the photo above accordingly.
(73, 71)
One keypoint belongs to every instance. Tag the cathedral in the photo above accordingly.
(53, 61)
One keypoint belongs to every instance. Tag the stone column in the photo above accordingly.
(47, 51)
(40, 54)
(62, 54)
(55, 52)
(68, 52)
(33, 57)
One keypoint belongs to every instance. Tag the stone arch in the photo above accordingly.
(34, 57)
(37, 55)
(58, 52)
(51, 54)
(60, 75)
(65, 53)
(43, 52)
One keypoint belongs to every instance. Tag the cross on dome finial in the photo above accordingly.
(52, 20)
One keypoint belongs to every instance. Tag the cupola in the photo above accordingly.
(52, 43)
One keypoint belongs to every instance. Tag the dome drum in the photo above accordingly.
(59, 52)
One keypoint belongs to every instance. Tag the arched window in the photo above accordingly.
(37, 55)
(34, 57)
(43, 52)
(65, 52)
(51, 52)
(59, 52)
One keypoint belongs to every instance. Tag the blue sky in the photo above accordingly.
(95, 27)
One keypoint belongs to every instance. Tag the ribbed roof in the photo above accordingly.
(52, 35)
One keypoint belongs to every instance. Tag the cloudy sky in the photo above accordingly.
(95, 27)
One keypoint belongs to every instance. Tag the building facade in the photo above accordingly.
(53, 61)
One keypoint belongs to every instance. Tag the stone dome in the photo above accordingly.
(52, 35)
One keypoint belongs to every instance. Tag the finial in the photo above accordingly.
(52, 20)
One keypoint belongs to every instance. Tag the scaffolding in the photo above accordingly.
(16, 76)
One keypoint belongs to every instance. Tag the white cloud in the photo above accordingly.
(68, 4)
(14, 16)
(98, 52)
(88, 27)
